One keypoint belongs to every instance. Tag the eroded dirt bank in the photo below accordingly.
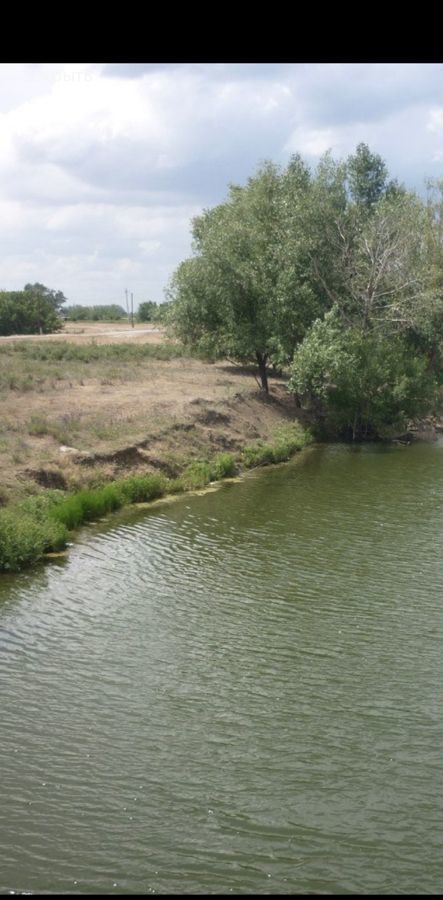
(88, 425)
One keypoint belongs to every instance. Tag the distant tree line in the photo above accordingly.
(40, 310)
(110, 313)
(149, 311)
(336, 274)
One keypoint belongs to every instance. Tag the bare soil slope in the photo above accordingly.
(86, 422)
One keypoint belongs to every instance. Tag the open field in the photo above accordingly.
(97, 332)
(76, 413)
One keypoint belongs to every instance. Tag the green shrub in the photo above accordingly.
(260, 455)
(196, 475)
(88, 505)
(288, 439)
(39, 505)
(199, 474)
(223, 466)
(54, 535)
(21, 542)
(361, 385)
(69, 513)
(176, 485)
(142, 488)
(24, 539)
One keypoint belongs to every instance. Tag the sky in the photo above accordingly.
(103, 166)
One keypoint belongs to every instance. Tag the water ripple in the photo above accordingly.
(236, 692)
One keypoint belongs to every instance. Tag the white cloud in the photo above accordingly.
(312, 141)
(102, 167)
(435, 126)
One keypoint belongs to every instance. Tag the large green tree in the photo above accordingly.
(54, 298)
(291, 248)
(373, 261)
(27, 312)
(372, 362)
(245, 293)
(430, 335)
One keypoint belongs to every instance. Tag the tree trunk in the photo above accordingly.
(261, 361)
(354, 427)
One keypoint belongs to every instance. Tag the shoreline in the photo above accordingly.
(147, 491)
(94, 428)
(41, 528)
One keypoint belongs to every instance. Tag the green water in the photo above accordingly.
(237, 692)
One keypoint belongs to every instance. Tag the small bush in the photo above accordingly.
(69, 513)
(199, 474)
(39, 505)
(224, 466)
(88, 505)
(260, 455)
(196, 475)
(21, 542)
(288, 439)
(54, 535)
(38, 426)
(142, 488)
(24, 539)
(176, 485)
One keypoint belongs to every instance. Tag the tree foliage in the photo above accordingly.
(55, 298)
(367, 176)
(244, 294)
(27, 312)
(342, 267)
(106, 313)
(148, 311)
(361, 385)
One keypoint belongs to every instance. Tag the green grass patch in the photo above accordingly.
(87, 505)
(26, 536)
(42, 523)
(63, 429)
(198, 474)
(224, 466)
(142, 488)
(63, 351)
(288, 440)
(35, 366)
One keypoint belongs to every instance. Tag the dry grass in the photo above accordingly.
(118, 414)
(99, 333)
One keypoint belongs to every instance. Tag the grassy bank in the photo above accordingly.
(45, 522)
(38, 366)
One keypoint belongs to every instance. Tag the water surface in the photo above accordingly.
(236, 692)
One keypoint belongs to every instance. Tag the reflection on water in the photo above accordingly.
(234, 692)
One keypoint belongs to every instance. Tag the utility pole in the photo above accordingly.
(126, 298)
(132, 309)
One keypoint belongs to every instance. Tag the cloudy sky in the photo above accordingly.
(102, 166)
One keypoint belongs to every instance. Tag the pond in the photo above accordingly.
(234, 692)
